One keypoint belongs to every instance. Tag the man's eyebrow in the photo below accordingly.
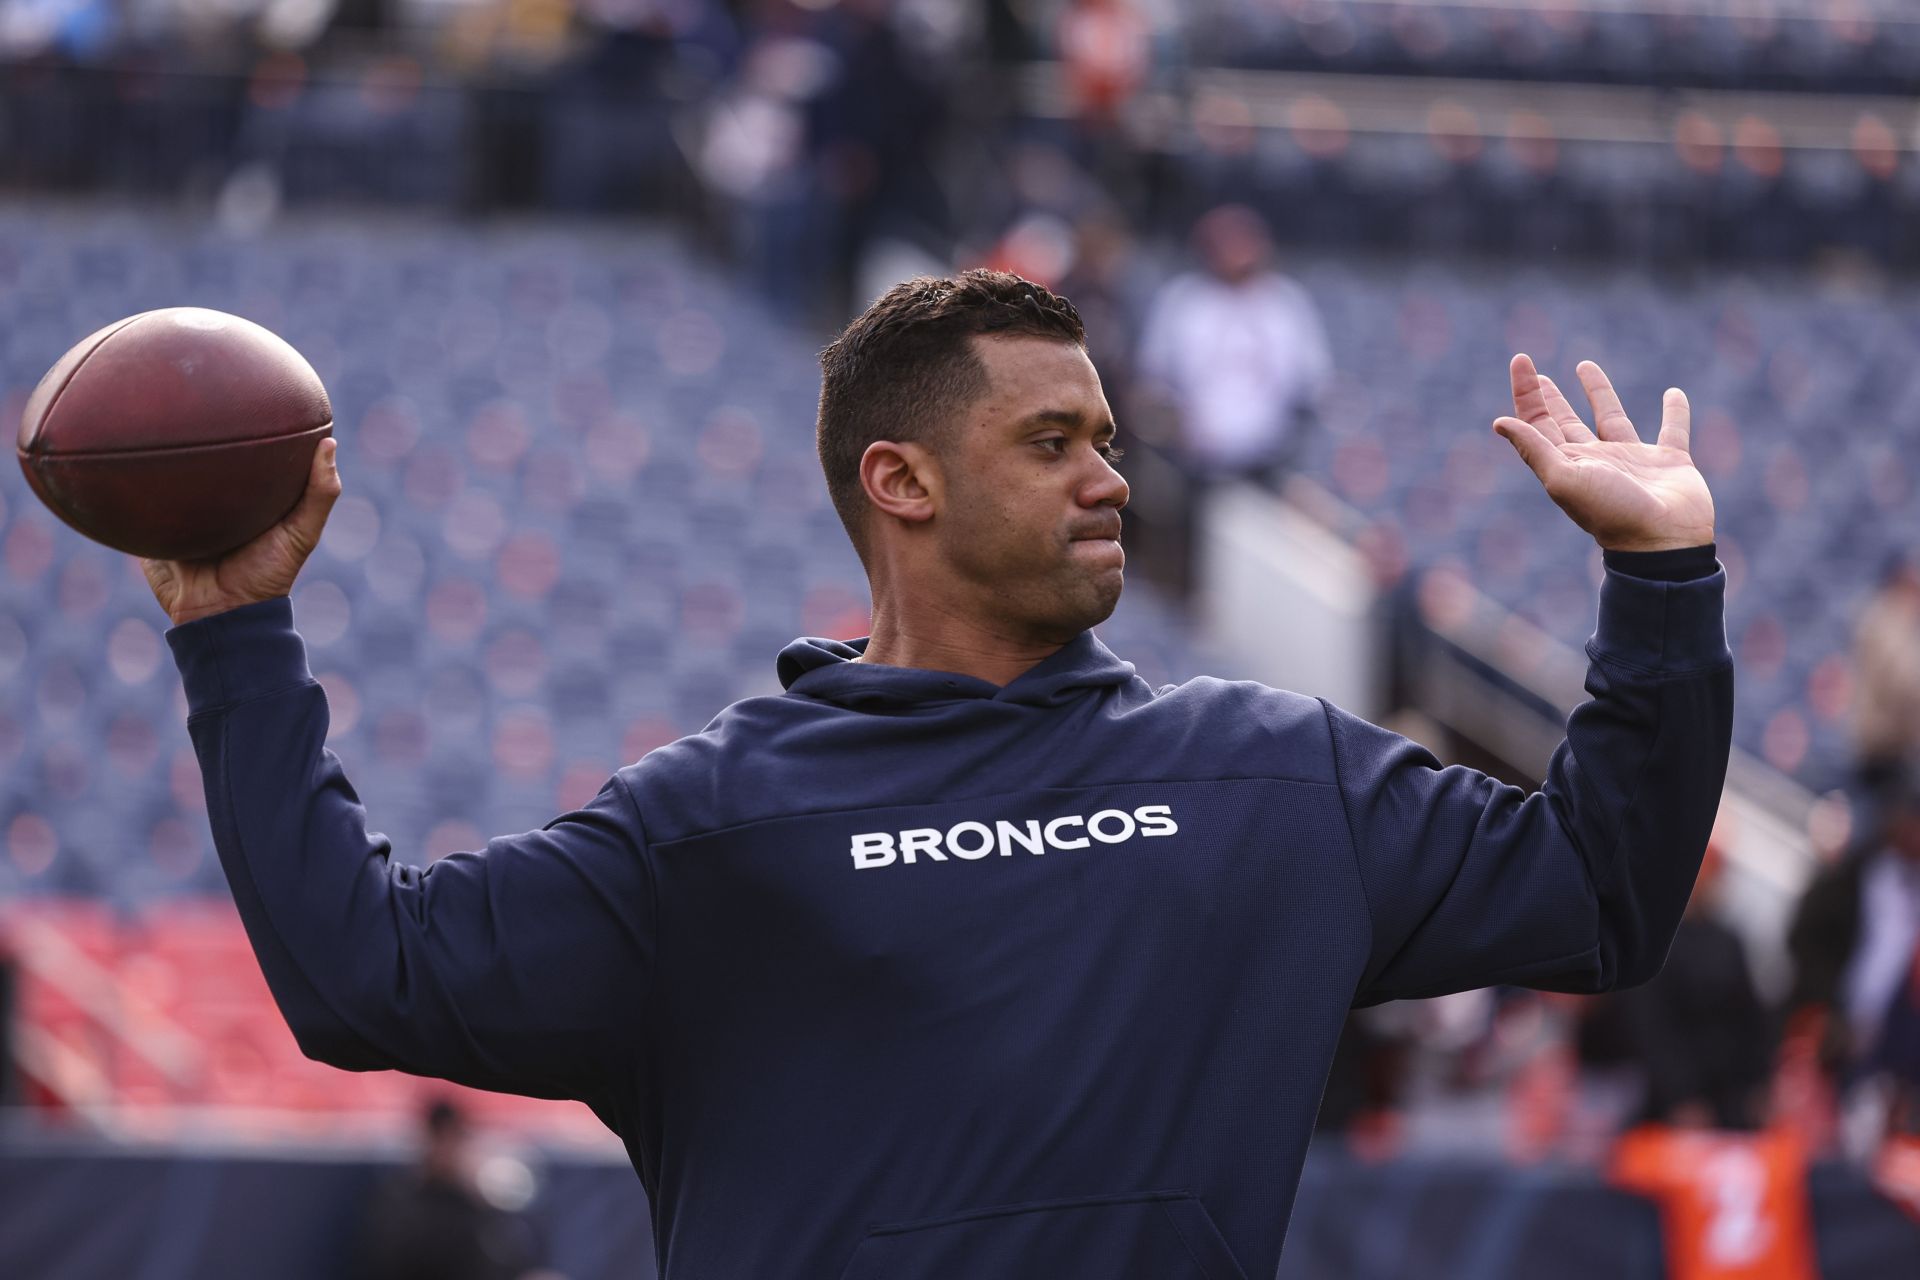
(1066, 418)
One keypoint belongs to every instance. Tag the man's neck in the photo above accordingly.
(948, 642)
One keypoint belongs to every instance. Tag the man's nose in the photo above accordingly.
(1105, 488)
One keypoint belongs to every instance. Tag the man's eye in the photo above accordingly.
(1058, 445)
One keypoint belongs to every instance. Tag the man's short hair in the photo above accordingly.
(906, 366)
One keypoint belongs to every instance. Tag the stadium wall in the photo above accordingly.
(1289, 603)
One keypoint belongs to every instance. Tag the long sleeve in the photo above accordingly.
(1580, 885)
(522, 968)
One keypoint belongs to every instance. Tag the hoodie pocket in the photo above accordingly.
(1154, 1235)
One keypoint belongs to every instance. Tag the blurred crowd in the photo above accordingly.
(1859, 44)
(818, 143)
(454, 1214)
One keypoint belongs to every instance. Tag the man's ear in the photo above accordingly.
(901, 479)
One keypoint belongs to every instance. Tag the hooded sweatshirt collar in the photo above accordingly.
(826, 670)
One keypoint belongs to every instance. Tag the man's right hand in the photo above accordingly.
(1630, 495)
(262, 569)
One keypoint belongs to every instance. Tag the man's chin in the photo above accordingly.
(1100, 599)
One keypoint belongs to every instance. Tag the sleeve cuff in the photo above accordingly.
(226, 658)
(1679, 565)
(1664, 625)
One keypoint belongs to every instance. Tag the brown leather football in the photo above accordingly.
(177, 434)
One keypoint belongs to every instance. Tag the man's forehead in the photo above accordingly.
(1021, 368)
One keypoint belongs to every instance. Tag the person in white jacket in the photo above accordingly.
(1237, 351)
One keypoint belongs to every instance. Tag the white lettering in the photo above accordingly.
(1010, 835)
(1156, 820)
(971, 841)
(1057, 842)
(964, 828)
(872, 849)
(920, 840)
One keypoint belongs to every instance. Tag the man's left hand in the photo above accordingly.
(1629, 495)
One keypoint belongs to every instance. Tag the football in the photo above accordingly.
(178, 434)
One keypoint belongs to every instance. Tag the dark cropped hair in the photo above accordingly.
(906, 366)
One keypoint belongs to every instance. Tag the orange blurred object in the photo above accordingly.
(1896, 1173)
(1733, 1206)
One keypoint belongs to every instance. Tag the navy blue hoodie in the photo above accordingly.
(903, 974)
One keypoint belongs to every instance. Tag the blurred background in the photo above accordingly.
(564, 266)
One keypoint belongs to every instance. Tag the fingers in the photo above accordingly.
(160, 577)
(1529, 398)
(1676, 421)
(323, 479)
(309, 515)
(1610, 421)
(1536, 449)
(1574, 430)
(325, 469)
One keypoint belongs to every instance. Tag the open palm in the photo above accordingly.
(1630, 495)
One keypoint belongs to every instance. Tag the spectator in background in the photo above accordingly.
(1106, 47)
(1238, 351)
(1855, 945)
(431, 1222)
(875, 131)
(1233, 364)
(1698, 1032)
(1104, 281)
(752, 155)
(1729, 1179)
(1106, 51)
(1886, 665)
(1366, 1086)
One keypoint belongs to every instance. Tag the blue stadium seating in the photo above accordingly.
(1782, 44)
